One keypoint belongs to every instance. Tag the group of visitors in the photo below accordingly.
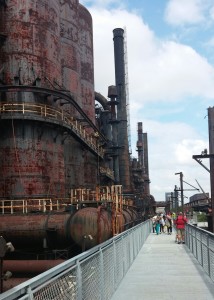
(164, 223)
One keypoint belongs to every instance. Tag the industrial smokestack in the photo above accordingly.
(119, 58)
(146, 163)
(140, 144)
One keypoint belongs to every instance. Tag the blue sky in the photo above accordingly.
(171, 80)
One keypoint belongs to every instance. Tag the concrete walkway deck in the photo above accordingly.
(164, 270)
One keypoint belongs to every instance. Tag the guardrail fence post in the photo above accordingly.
(30, 293)
(79, 282)
(114, 265)
(101, 275)
(208, 255)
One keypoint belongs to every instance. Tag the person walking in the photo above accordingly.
(162, 224)
(169, 224)
(180, 223)
(157, 225)
(153, 223)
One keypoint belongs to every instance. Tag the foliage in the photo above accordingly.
(202, 217)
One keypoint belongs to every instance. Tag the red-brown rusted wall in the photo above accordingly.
(87, 84)
(87, 61)
(70, 52)
(31, 163)
(32, 48)
(53, 41)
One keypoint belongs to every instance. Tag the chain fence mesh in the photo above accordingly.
(201, 243)
(92, 275)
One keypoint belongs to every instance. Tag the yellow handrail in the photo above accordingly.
(46, 111)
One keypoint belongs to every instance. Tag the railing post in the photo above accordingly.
(130, 249)
(44, 206)
(26, 206)
(202, 261)
(208, 255)
(11, 206)
(102, 295)
(196, 248)
(124, 257)
(114, 265)
(30, 293)
(192, 240)
(79, 281)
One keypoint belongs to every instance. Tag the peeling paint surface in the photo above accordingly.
(33, 40)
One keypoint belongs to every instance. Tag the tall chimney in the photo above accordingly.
(119, 58)
(140, 144)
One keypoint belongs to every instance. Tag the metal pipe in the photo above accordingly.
(30, 266)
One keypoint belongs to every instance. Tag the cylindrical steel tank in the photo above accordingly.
(87, 88)
(29, 231)
(70, 51)
(130, 216)
(31, 152)
(91, 226)
(70, 60)
(31, 160)
(23, 270)
(32, 46)
(87, 62)
(86, 227)
(127, 219)
(30, 266)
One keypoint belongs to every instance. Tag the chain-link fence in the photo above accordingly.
(201, 244)
(92, 275)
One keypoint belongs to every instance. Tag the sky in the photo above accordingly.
(170, 56)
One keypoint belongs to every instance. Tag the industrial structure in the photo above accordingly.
(67, 179)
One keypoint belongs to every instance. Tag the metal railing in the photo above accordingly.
(94, 274)
(49, 112)
(201, 244)
(27, 205)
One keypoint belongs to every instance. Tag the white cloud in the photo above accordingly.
(171, 147)
(181, 12)
(175, 70)
(186, 148)
(159, 70)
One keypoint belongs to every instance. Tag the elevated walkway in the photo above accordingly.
(167, 271)
(135, 264)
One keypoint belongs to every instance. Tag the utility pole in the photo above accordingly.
(176, 198)
(211, 150)
(181, 189)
